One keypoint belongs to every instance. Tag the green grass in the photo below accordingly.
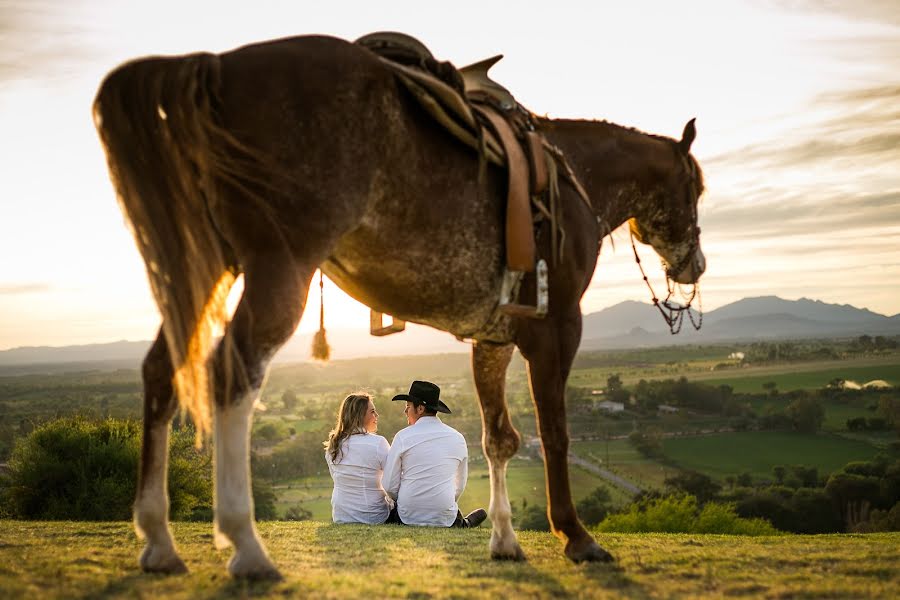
(756, 452)
(319, 560)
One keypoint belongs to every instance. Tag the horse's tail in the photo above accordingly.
(167, 156)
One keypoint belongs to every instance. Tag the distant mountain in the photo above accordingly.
(625, 325)
(345, 344)
(765, 317)
(113, 351)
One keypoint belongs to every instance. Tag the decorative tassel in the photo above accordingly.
(320, 348)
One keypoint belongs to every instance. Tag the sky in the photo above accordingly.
(798, 119)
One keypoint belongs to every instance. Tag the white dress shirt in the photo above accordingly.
(358, 496)
(426, 471)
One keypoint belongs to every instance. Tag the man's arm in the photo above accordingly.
(462, 471)
(390, 479)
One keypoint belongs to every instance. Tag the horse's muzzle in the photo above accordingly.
(694, 269)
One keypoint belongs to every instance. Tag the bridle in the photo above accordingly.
(673, 312)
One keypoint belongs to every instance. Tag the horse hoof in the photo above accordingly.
(513, 553)
(262, 570)
(154, 560)
(590, 552)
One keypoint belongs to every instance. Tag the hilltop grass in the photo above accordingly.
(319, 560)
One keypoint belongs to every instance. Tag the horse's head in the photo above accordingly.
(669, 222)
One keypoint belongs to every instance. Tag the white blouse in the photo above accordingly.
(358, 496)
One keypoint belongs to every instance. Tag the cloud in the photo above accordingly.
(856, 124)
(39, 38)
(24, 288)
(872, 11)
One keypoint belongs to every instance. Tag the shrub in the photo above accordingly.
(75, 468)
(881, 520)
(692, 483)
(534, 518)
(680, 514)
(297, 513)
(594, 507)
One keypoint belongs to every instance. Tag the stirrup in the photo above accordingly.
(378, 328)
(510, 289)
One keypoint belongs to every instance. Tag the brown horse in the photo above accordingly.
(281, 157)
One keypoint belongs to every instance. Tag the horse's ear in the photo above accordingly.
(688, 135)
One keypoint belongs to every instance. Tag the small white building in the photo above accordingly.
(610, 406)
(665, 408)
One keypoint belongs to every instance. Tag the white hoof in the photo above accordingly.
(161, 559)
(506, 548)
(253, 566)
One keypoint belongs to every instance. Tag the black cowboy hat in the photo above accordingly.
(426, 393)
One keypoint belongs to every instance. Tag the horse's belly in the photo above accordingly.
(456, 290)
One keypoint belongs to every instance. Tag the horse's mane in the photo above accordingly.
(618, 132)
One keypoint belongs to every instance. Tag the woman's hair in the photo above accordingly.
(351, 418)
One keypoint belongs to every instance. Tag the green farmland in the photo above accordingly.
(720, 455)
(805, 376)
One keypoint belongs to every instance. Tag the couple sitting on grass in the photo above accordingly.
(416, 481)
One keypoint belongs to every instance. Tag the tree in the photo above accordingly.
(806, 413)
(615, 391)
(289, 400)
(701, 486)
(594, 507)
(890, 409)
(534, 518)
(808, 476)
(779, 471)
(853, 494)
(297, 513)
(268, 432)
(647, 441)
(613, 384)
(264, 499)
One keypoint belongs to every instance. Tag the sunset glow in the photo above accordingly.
(796, 106)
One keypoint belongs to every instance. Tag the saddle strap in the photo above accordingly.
(520, 246)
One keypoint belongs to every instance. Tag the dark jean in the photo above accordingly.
(394, 519)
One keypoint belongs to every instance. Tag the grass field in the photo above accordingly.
(319, 560)
(756, 452)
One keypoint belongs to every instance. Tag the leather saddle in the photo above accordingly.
(485, 116)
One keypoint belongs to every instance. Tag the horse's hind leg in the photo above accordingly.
(499, 441)
(275, 290)
(549, 348)
(151, 507)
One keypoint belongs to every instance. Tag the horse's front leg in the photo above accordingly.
(151, 506)
(499, 441)
(268, 313)
(549, 348)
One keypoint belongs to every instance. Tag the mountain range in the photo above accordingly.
(625, 325)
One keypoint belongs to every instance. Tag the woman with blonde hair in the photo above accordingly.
(355, 457)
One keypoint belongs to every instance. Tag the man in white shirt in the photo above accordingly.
(427, 467)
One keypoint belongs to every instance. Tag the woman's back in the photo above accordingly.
(358, 495)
